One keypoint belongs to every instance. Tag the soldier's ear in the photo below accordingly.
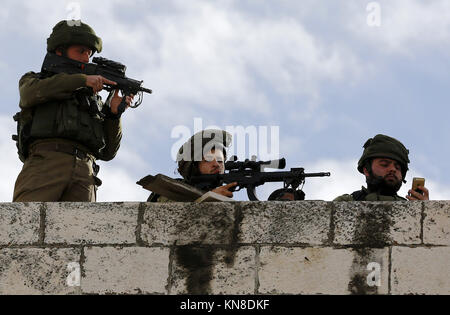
(61, 51)
(366, 172)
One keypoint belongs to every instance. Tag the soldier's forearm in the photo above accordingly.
(113, 136)
(35, 91)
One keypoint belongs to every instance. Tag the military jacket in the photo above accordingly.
(368, 196)
(58, 113)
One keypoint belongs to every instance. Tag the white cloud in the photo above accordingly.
(10, 165)
(32, 18)
(118, 185)
(406, 25)
(205, 55)
(128, 158)
(344, 179)
(215, 57)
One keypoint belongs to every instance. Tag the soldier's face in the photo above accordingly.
(213, 163)
(79, 53)
(287, 197)
(390, 170)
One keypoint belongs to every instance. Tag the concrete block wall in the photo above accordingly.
(249, 248)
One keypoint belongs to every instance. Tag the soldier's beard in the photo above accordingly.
(382, 186)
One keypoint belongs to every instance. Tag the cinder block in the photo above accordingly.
(37, 271)
(19, 223)
(436, 226)
(87, 223)
(188, 223)
(129, 270)
(421, 270)
(209, 270)
(304, 222)
(377, 223)
(322, 271)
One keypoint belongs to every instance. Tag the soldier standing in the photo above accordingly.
(63, 126)
(384, 162)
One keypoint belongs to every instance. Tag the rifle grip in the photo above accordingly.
(251, 193)
(122, 106)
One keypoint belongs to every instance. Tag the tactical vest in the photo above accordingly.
(78, 119)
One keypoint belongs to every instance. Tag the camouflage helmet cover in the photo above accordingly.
(67, 33)
(382, 146)
(202, 142)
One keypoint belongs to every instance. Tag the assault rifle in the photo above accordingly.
(250, 174)
(108, 69)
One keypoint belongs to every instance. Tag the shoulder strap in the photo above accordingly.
(359, 195)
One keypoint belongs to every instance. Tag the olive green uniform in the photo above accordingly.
(65, 140)
(366, 195)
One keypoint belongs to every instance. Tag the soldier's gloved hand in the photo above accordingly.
(116, 100)
(225, 190)
(96, 82)
(414, 195)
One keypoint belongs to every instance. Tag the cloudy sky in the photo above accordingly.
(328, 74)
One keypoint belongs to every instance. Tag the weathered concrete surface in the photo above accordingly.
(36, 271)
(198, 270)
(77, 223)
(308, 247)
(19, 223)
(436, 226)
(421, 270)
(285, 223)
(131, 270)
(184, 224)
(377, 223)
(315, 271)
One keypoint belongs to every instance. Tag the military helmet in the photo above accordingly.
(66, 33)
(382, 146)
(278, 195)
(192, 151)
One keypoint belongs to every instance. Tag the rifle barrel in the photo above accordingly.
(323, 174)
(146, 90)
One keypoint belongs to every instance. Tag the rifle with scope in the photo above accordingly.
(106, 68)
(250, 174)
